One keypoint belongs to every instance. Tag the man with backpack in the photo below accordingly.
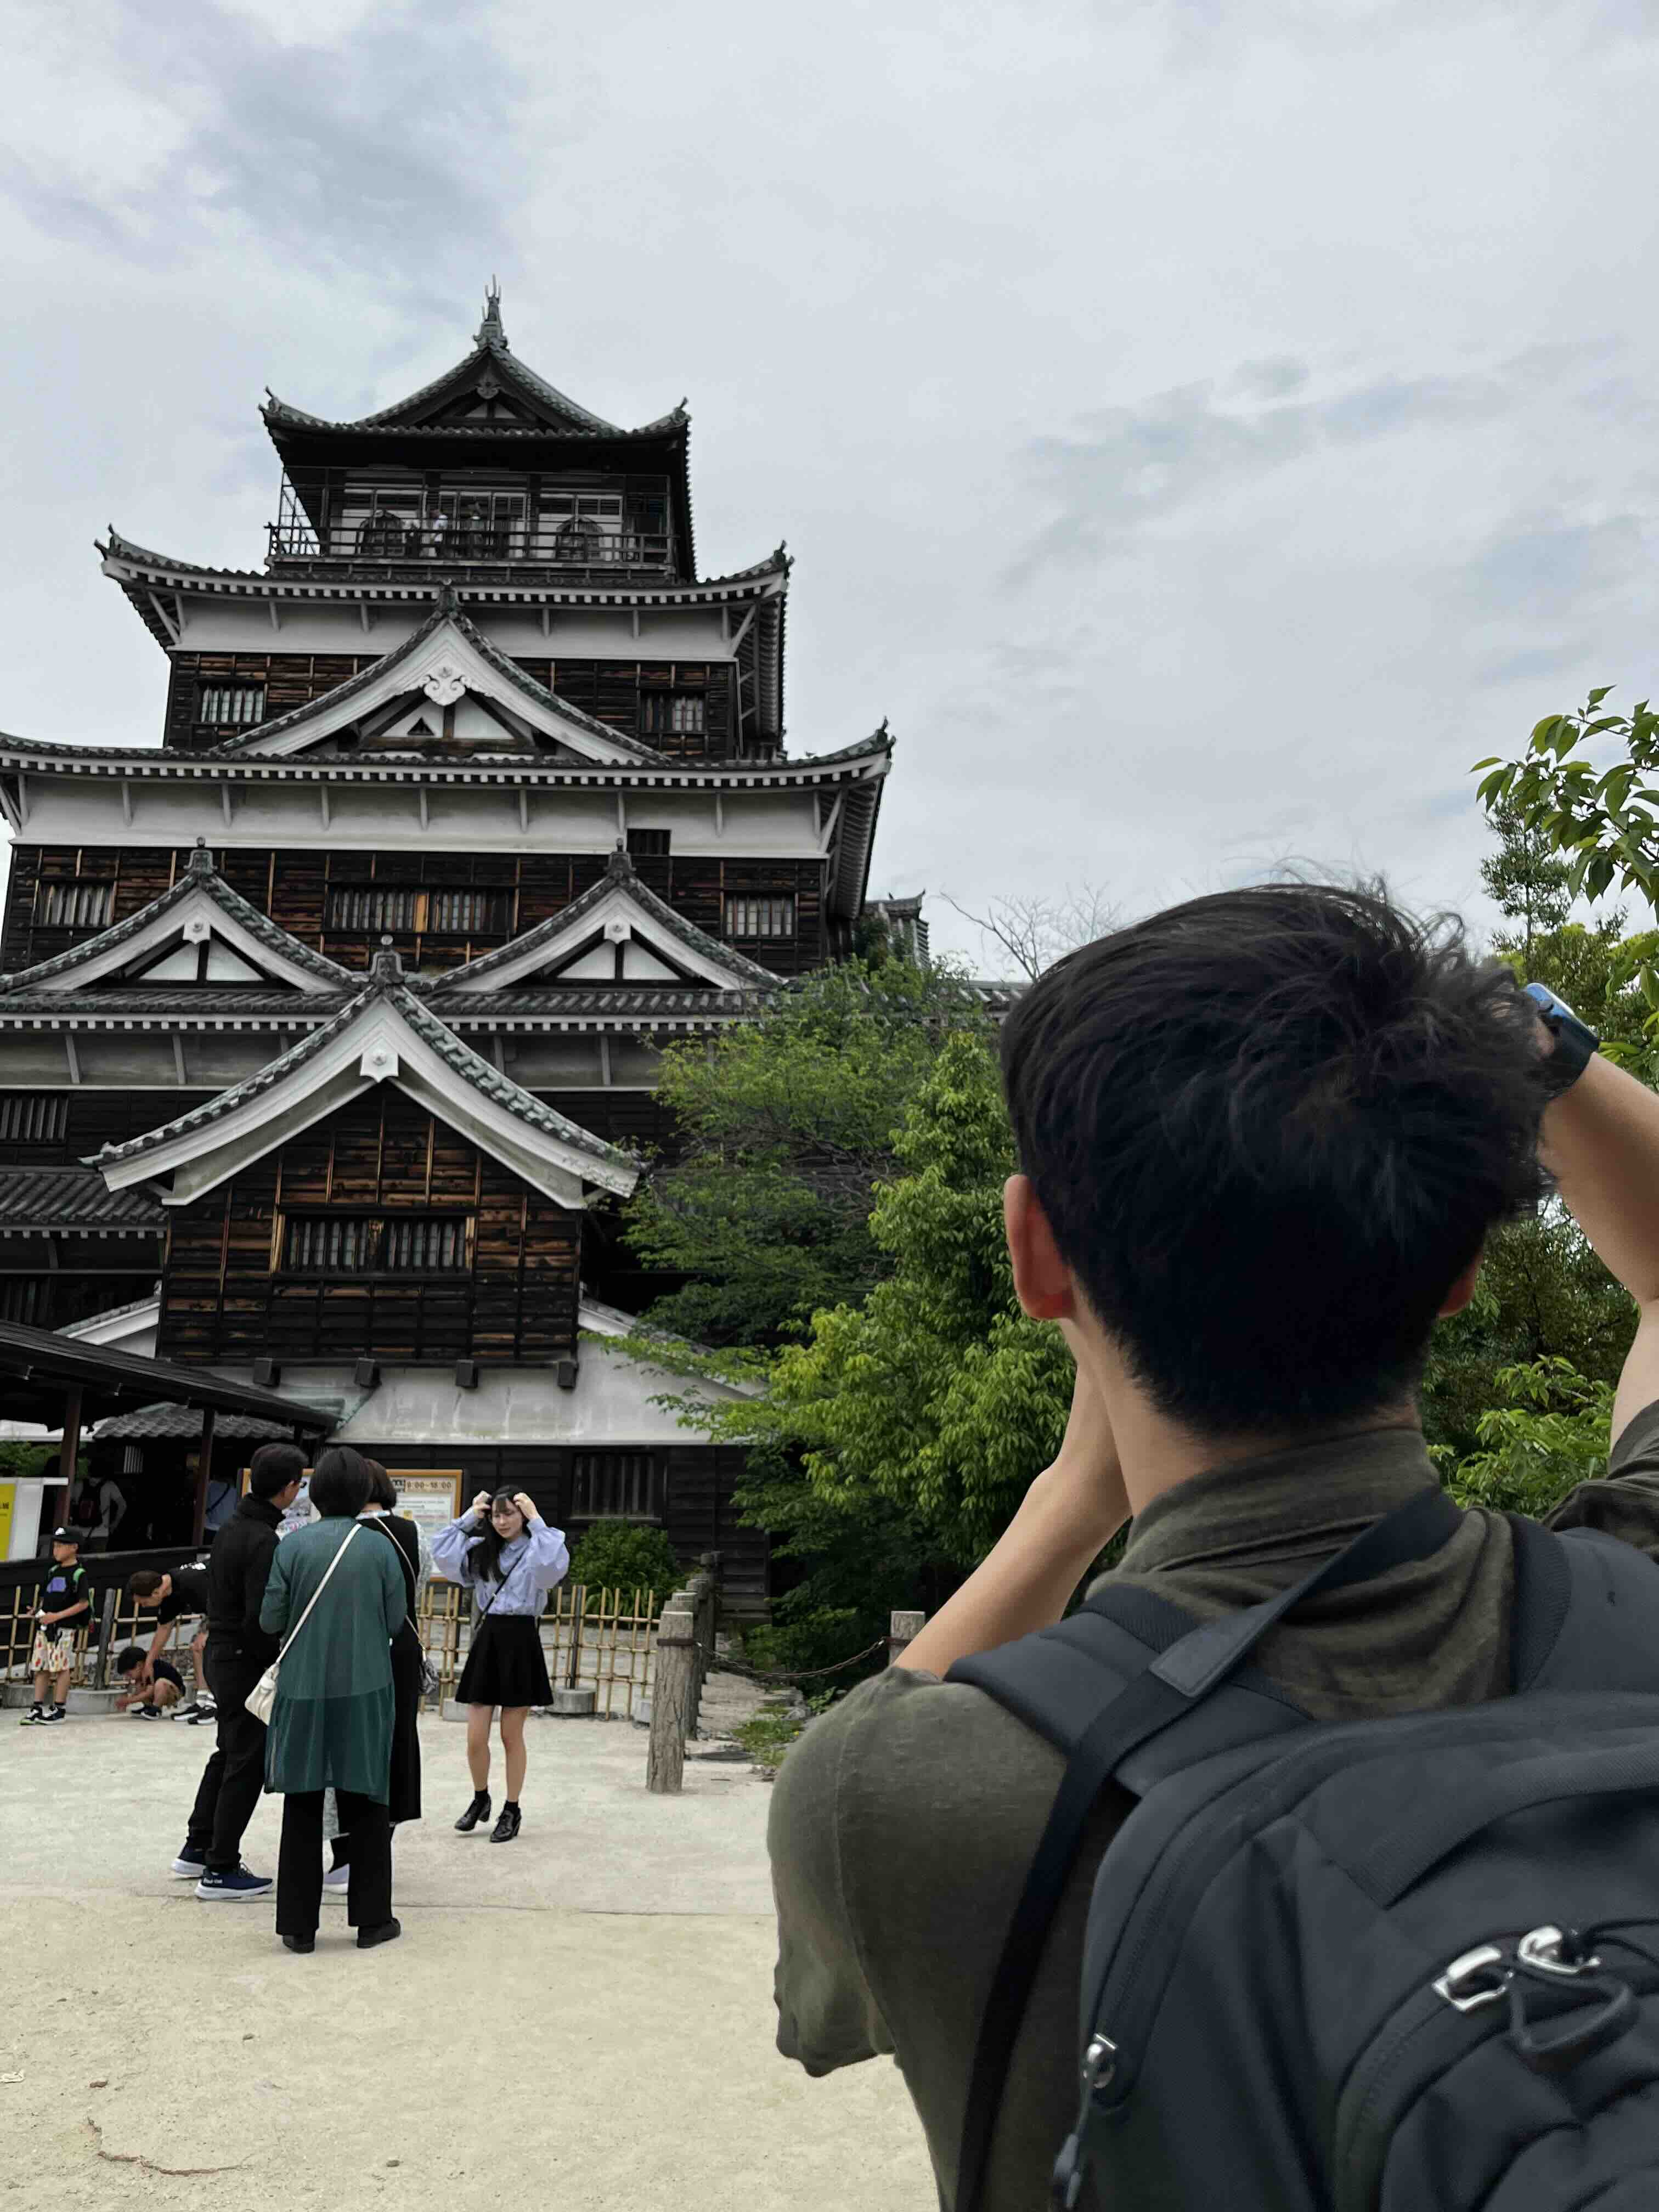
(1336, 1806)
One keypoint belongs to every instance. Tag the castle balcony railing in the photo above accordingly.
(374, 548)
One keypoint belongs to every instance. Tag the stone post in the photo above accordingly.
(902, 1631)
(106, 1637)
(671, 1691)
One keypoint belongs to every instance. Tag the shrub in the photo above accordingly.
(621, 1555)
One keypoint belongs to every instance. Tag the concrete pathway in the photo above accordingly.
(581, 2019)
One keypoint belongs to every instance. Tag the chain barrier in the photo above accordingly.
(724, 1664)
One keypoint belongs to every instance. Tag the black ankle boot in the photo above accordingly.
(508, 1827)
(477, 1811)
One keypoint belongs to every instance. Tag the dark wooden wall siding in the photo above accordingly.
(288, 679)
(220, 1299)
(635, 1119)
(612, 691)
(699, 1515)
(615, 691)
(293, 888)
(96, 1118)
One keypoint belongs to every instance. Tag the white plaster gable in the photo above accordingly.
(652, 952)
(434, 670)
(167, 949)
(373, 1042)
(121, 1328)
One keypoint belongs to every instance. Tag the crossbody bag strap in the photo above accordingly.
(1170, 1686)
(288, 1641)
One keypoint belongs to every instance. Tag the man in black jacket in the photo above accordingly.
(238, 1653)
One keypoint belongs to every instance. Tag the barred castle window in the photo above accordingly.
(372, 909)
(75, 906)
(761, 917)
(612, 1485)
(33, 1117)
(374, 1245)
(27, 1299)
(667, 713)
(649, 844)
(231, 706)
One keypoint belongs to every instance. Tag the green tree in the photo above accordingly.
(1526, 879)
(788, 1125)
(1547, 1432)
(890, 1447)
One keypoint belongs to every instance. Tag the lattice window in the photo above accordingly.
(75, 906)
(232, 706)
(374, 1244)
(26, 1298)
(761, 917)
(33, 1117)
(371, 908)
(673, 712)
(614, 1486)
(649, 844)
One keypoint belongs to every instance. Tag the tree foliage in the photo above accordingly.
(789, 1127)
(1548, 1433)
(1529, 883)
(624, 1555)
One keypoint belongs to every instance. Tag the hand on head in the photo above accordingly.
(480, 1503)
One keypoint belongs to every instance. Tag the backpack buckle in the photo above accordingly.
(1478, 1977)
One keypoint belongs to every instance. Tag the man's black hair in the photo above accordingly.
(273, 1466)
(1269, 1129)
(129, 1656)
(340, 1482)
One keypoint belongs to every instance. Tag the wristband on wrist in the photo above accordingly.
(1575, 1040)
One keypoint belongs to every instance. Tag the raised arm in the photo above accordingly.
(1070, 1513)
(451, 1544)
(549, 1559)
(1601, 1142)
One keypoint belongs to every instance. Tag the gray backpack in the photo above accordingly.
(1394, 1966)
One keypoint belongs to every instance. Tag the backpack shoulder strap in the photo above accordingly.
(1586, 1612)
(1173, 1685)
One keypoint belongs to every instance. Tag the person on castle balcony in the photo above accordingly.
(509, 1555)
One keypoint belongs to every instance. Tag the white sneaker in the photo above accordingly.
(336, 1882)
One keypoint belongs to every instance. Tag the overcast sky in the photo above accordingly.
(1203, 428)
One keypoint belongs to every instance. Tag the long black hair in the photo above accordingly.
(484, 1558)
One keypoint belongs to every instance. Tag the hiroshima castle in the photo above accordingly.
(330, 1024)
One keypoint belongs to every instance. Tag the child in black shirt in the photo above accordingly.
(64, 1605)
(148, 1699)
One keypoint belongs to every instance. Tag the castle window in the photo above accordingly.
(666, 714)
(26, 1298)
(615, 1486)
(761, 917)
(75, 906)
(231, 706)
(374, 1244)
(33, 1117)
(370, 909)
(649, 844)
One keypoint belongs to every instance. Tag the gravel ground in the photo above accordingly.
(580, 2018)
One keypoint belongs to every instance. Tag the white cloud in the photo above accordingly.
(1298, 364)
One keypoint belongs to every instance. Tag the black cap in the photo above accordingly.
(66, 1535)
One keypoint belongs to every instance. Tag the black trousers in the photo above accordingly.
(235, 1775)
(300, 1865)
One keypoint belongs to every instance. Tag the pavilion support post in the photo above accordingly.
(203, 1468)
(70, 1450)
(670, 1695)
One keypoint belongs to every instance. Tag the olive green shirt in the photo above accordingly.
(904, 1823)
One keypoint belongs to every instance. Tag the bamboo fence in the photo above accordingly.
(602, 1640)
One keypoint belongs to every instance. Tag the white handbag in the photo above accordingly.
(262, 1698)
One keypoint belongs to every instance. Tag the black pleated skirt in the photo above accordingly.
(504, 1666)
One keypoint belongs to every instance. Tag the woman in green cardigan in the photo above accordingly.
(331, 1723)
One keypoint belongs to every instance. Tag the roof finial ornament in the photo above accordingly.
(201, 860)
(619, 864)
(489, 331)
(385, 967)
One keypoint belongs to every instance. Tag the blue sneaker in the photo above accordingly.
(236, 1883)
(192, 1861)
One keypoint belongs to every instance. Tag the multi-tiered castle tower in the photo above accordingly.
(337, 1014)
